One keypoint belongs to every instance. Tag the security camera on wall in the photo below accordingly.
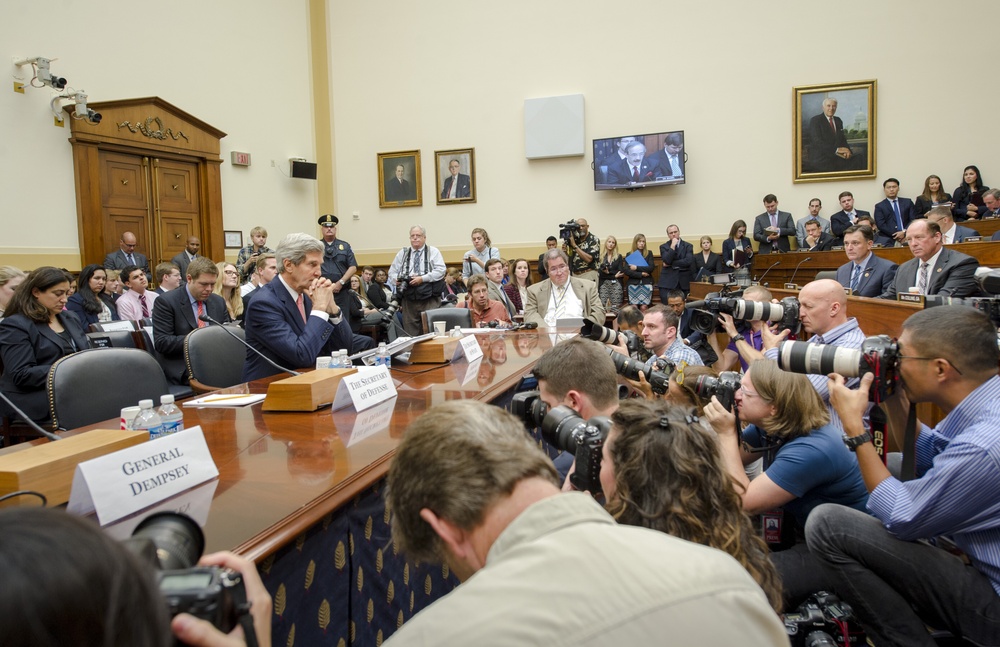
(42, 73)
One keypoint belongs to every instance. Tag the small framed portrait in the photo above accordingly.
(399, 179)
(234, 239)
(835, 126)
(455, 172)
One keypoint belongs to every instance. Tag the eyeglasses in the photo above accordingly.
(748, 393)
(927, 359)
(230, 273)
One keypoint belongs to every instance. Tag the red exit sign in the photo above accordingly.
(240, 159)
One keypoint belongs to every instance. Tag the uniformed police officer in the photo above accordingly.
(339, 264)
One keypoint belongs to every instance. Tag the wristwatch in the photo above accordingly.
(856, 441)
(735, 338)
(341, 281)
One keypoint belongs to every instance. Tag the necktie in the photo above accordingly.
(506, 303)
(131, 261)
(560, 302)
(833, 126)
(922, 281)
(201, 311)
(855, 278)
(145, 308)
(635, 173)
(899, 218)
(302, 307)
(774, 220)
(416, 263)
(675, 166)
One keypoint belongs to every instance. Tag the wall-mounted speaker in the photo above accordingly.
(553, 127)
(302, 169)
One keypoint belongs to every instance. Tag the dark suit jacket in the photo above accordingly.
(786, 227)
(824, 243)
(396, 190)
(875, 281)
(824, 142)
(275, 328)
(675, 274)
(28, 350)
(173, 319)
(621, 173)
(116, 261)
(661, 163)
(376, 295)
(75, 305)
(729, 246)
(953, 275)
(464, 187)
(885, 220)
(841, 221)
(182, 262)
(961, 233)
(713, 266)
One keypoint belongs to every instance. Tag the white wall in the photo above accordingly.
(242, 67)
(438, 75)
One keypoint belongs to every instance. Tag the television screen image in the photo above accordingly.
(637, 161)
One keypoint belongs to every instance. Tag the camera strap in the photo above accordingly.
(241, 606)
(909, 468)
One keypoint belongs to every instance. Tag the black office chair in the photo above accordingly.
(827, 274)
(214, 359)
(94, 385)
(112, 339)
(452, 317)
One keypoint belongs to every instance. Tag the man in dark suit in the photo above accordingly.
(287, 326)
(669, 162)
(189, 253)
(817, 240)
(828, 149)
(950, 232)
(634, 168)
(773, 241)
(397, 188)
(677, 257)
(457, 185)
(176, 313)
(865, 273)
(935, 269)
(168, 278)
(126, 255)
(892, 215)
(846, 217)
(550, 243)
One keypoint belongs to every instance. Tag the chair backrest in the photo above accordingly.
(214, 359)
(827, 274)
(452, 317)
(112, 339)
(94, 385)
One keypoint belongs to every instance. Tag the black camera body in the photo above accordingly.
(657, 374)
(569, 230)
(562, 427)
(723, 388)
(878, 355)
(824, 620)
(989, 306)
(633, 342)
(402, 284)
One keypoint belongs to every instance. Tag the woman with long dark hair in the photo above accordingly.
(640, 277)
(967, 199)
(87, 303)
(36, 332)
(661, 469)
(933, 195)
(517, 288)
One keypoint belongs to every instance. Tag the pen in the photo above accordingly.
(226, 397)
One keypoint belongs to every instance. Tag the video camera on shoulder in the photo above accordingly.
(706, 313)
(878, 355)
(824, 620)
(569, 229)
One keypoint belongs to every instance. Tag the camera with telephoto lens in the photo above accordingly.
(402, 284)
(529, 408)
(657, 374)
(172, 543)
(389, 311)
(785, 313)
(723, 388)
(824, 620)
(569, 229)
(878, 355)
(989, 306)
(633, 342)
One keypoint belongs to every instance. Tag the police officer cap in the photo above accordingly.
(328, 220)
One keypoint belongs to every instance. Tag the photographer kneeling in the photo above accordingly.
(805, 462)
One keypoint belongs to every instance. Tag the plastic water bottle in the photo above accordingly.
(382, 359)
(171, 417)
(148, 420)
(456, 332)
(345, 360)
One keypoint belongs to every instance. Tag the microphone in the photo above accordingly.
(796, 270)
(776, 263)
(31, 423)
(267, 359)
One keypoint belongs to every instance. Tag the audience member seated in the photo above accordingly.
(738, 242)
(562, 296)
(362, 312)
(609, 274)
(87, 303)
(817, 240)
(706, 262)
(286, 325)
(892, 215)
(805, 464)
(517, 289)
(866, 274)
(454, 286)
(34, 333)
(228, 287)
(382, 280)
(932, 196)
(950, 232)
(474, 261)
(178, 312)
(112, 288)
(846, 217)
(968, 197)
(550, 243)
(928, 551)
(372, 290)
(72, 281)
(661, 469)
(168, 277)
(264, 271)
(136, 302)
(126, 254)
(935, 269)
(483, 309)
(75, 585)
(10, 278)
(468, 488)
(640, 276)
(745, 342)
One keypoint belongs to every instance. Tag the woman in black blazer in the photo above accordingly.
(707, 262)
(36, 332)
(933, 195)
(967, 199)
(737, 241)
(87, 303)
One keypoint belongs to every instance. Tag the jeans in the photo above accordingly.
(898, 587)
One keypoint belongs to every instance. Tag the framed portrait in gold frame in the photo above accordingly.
(399, 182)
(834, 131)
(455, 175)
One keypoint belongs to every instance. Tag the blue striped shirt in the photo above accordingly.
(957, 493)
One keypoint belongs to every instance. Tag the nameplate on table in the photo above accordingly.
(132, 479)
(469, 347)
(364, 388)
(972, 239)
(906, 297)
(791, 286)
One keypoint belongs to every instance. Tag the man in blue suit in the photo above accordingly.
(950, 232)
(892, 215)
(865, 273)
(287, 326)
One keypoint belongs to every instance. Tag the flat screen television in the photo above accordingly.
(638, 161)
